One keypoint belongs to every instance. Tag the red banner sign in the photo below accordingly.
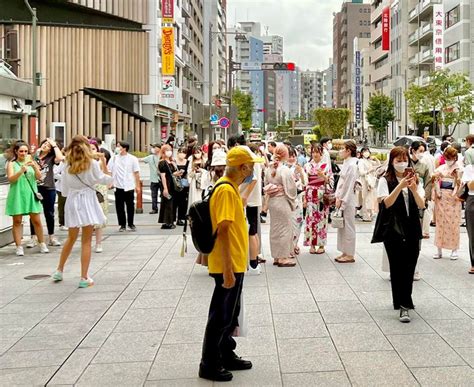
(386, 29)
(167, 11)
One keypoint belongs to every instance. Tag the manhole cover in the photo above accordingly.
(37, 276)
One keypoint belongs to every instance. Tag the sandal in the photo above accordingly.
(297, 250)
(345, 259)
(320, 251)
(312, 250)
(276, 262)
(287, 263)
(260, 259)
(339, 257)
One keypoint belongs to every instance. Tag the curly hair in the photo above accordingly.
(79, 155)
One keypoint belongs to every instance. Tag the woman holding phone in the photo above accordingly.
(400, 196)
(23, 199)
(168, 169)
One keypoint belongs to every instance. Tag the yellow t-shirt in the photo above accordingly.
(226, 205)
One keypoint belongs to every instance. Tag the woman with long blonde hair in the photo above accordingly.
(82, 210)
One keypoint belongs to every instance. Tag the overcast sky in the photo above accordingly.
(306, 26)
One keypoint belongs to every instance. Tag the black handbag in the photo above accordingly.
(177, 183)
(387, 222)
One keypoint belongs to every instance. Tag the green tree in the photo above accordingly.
(244, 104)
(448, 94)
(380, 112)
(332, 122)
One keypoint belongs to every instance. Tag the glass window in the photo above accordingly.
(9, 131)
(452, 17)
(452, 52)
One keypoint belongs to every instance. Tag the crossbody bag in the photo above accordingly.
(99, 195)
(36, 194)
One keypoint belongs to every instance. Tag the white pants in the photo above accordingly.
(346, 236)
(427, 217)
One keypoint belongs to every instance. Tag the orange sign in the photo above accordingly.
(167, 51)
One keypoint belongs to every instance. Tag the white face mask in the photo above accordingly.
(330, 145)
(450, 163)
(117, 151)
(366, 155)
(400, 167)
(168, 154)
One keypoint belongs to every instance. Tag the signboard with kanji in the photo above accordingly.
(438, 31)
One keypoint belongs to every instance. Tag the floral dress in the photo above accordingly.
(315, 233)
(298, 216)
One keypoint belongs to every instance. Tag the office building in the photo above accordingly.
(312, 94)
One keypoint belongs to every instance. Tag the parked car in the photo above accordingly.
(407, 140)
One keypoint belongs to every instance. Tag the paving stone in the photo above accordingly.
(42, 329)
(343, 311)
(439, 309)
(467, 354)
(193, 307)
(185, 330)
(325, 277)
(427, 350)
(255, 295)
(21, 318)
(308, 355)
(74, 366)
(38, 343)
(192, 382)
(129, 347)
(157, 299)
(287, 285)
(293, 303)
(176, 361)
(144, 320)
(259, 341)
(332, 292)
(444, 376)
(34, 376)
(88, 317)
(389, 323)
(378, 300)
(256, 315)
(29, 359)
(118, 374)
(265, 372)
(117, 310)
(98, 334)
(327, 379)
(358, 337)
(379, 368)
(299, 325)
(458, 333)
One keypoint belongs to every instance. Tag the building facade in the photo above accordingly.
(92, 87)
(352, 21)
(312, 93)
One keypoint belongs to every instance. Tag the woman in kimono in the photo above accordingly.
(196, 172)
(281, 190)
(447, 179)
(346, 200)
(368, 179)
(317, 213)
(300, 180)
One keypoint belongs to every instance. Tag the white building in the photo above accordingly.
(312, 95)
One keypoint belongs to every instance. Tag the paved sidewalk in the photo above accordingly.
(316, 324)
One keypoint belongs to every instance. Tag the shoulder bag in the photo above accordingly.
(36, 194)
(177, 183)
(99, 195)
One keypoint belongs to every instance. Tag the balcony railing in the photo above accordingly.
(421, 8)
(186, 32)
(186, 8)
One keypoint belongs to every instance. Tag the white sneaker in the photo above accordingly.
(63, 228)
(43, 248)
(454, 255)
(98, 248)
(32, 243)
(417, 276)
(19, 251)
(437, 256)
(256, 271)
(54, 242)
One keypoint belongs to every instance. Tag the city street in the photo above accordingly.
(319, 323)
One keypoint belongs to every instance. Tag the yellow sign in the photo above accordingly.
(309, 137)
(167, 51)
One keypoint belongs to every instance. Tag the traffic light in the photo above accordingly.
(285, 66)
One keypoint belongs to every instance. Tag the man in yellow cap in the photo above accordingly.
(227, 264)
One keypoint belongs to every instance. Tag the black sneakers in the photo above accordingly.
(132, 228)
(404, 316)
(122, 229)
(218, 375)
(237, 364)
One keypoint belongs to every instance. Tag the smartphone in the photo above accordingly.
(409, 171)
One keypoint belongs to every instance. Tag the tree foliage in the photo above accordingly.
(244, 104)
(448, 94)
(332, 122)
(380, 112)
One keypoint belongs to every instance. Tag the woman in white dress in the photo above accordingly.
(196, 171)
(82, 210)
(367, 167)
(346, 200)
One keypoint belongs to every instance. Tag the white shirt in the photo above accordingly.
(123, 169)
(383, 192)
(326, 157)
(468, 176)
(255, 197)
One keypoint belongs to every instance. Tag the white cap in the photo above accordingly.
(218, 158)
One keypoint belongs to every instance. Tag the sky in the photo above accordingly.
(306, 26)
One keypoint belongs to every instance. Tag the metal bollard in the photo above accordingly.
(139, 209)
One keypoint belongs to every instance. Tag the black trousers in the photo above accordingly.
(470, 225)
(49, 198)
(182, 203)
(61, 204)
(125, 198)
(222, 320)
(155, 188)
(402, 256)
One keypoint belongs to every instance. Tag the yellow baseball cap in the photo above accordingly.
(240, 155)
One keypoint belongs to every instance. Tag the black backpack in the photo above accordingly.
(199, 219)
